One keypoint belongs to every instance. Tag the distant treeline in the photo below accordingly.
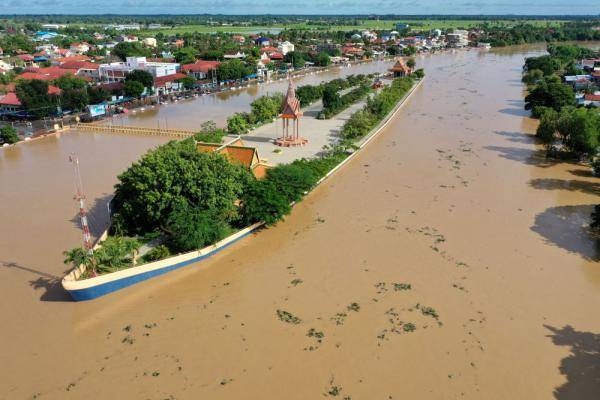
(274, 19)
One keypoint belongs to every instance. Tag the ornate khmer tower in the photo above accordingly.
(290, 110)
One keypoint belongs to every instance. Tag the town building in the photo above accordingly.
(285, 47)
(117, 71)
(458, 38)
(201, 69)
(149, 42)
(238, 153)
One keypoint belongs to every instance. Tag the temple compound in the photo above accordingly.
(400, 69)
(290, 112)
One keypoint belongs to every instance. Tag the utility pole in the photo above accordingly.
(80, 197)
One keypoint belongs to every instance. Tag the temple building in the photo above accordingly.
(236, 152)
(290, 112)
(400, 69)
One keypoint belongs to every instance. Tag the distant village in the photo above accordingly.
(176, 65)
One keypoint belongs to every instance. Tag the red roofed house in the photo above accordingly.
(400, 69)
(47, 74)
(200, 69)
(239, 38)
(83, 68)
(80, 48)
(276, 56)
(26, 58)
(167, 84)
(268, 49)
(592, 99)
(10, 103)
(62, 60)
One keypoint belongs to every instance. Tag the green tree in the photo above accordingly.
(193, 228)
(133, 89)
(70, 81)
(532, 76)
(232, 70)
(172, 174)
(209, 133)
(115, 253)
(143, 77)
(186, 55)
(331, 97)
(8, 134)
(409, 51)
(238, 124)
(550, 93)
(267, 107)
(188, 82)
(579, 129)
(263, 201)
(74, 99)
(33, 95)
(157, 253)
(547, 128)
(322, 60)
(79, 256)
(410, 63)
(98, 94)
(295, 58)
(293, 180)
(131, 49)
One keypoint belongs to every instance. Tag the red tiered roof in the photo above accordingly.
(291, 105)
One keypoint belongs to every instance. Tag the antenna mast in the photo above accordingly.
(80, 197)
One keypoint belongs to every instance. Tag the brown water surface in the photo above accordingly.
(453, 198)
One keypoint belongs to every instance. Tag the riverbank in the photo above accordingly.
(93, 287)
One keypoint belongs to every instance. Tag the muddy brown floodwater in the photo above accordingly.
(453, 198)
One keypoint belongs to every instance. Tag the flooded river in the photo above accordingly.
(453, 199)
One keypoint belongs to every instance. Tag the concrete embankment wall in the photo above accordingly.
(91, 288)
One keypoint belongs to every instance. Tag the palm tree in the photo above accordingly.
(80, 256)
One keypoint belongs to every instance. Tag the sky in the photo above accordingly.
(528, 7)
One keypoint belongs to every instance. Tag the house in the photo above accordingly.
(285, 47)
(79, 48)
(168, 84)
(200, 69)
(239, 39)
(27, 59)
(149, 42)
(262, 41)
(10, 103)
(123, 27)
(592, 99)
(578, 82)
(62, 60)
(238, 153)
(276, 56)
(83, 68)
(45, 36)
(126, 38)
(46, 74)
(179, 43)
(400, 69)
(154, 26)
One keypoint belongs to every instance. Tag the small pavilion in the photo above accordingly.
(290, 112)
(400, 69)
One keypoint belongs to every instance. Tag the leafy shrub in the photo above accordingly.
(158, 253)
(293, 180)
(263, 201)
(193, 228)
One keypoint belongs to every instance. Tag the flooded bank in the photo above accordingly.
(453, 199)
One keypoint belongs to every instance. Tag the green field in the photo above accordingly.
(425, 24)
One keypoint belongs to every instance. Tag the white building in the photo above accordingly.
(117, 71)
(458, 38)
(149, 42)
(124, 27)
(285, 47)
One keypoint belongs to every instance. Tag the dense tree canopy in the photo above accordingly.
(131, 49)
(33, 95)
(173, 174)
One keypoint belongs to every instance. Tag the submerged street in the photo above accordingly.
(453, 199)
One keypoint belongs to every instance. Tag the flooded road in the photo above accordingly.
(453, 199)
(189, 114)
